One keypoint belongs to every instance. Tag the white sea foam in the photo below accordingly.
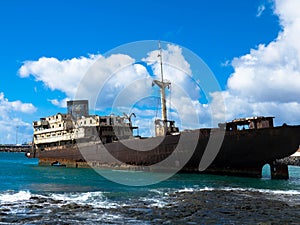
(186, 190)
(192, 189)
(95, 199)
(15, 197)
(157, 191)
(267, 191)
(263, 191)
(78, 197)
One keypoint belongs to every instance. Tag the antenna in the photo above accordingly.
(161, 65)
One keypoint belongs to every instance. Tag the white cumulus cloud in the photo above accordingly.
(60, 103)
(266, 81)
(11, 126)
(63, 75)
(7, 106)
(81, 77)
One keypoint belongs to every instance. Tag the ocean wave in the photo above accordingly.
(75, 197)
(95, 199)
(263, 191)
(155, 198)
(24, 207)
(268, 191)
(191, 189)
(15, 197)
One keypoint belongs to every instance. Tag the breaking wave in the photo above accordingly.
(14, 197)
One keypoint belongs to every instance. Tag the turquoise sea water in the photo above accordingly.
(22, 182)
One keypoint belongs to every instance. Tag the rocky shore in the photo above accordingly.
(185, 207)
(219, 207)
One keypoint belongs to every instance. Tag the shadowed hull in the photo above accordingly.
(242, 153)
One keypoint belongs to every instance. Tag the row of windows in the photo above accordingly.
(59, 125)
(54, 134)
(91, 121)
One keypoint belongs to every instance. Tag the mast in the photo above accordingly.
(163, 126)
(162, 85)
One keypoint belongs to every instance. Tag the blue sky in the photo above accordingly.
(222, 33)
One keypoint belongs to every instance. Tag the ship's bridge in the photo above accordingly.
(257, 122)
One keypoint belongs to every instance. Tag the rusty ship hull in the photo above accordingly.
(242, 152)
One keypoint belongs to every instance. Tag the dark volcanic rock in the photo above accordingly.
(217, 207)
(195, 207)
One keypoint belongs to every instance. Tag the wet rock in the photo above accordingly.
(4, 210)
(34, 207)
(217, 207)
(198, 207)
(52, 201)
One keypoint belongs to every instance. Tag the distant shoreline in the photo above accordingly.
(15, 148)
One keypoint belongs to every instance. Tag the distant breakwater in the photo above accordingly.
(15, 148)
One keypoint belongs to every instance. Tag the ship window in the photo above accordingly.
(91, 121)
(85, 122)
(52, 126)
(243, 127)
(59, 125)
